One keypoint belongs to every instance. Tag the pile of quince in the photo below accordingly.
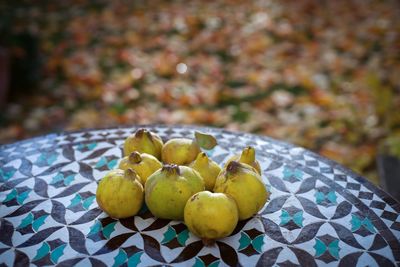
(185, 185)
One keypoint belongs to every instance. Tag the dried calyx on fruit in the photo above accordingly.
(168, 189)
(243, 183)
(144, 164)
(143, 141)
(120, 193)
(248, 156)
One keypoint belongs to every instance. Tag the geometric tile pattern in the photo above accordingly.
(319, 213)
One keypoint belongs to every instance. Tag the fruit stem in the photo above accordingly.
(208, 242)
(148, 135)
(171, 169)
(135, 157)
(144, 133)
(248, 155)
(130, 174)
(140, 132)
(202, 157)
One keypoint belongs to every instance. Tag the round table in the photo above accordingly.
(319, 212)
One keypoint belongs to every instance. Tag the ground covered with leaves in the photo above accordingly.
(320, 74)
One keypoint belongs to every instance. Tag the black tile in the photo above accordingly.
(326, 170)
(389, 200)
(312, 163)
(119, 132)
(395, 226)
(297, 157)
(366, 195)
(86, 135)
(389, 215)
(377, 205)
(340, 177)
(353, 186)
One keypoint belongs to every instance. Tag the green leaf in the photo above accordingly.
(204, 140)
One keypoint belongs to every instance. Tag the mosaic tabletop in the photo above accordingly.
(319, 213)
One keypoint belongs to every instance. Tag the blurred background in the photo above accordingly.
(324, 75)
